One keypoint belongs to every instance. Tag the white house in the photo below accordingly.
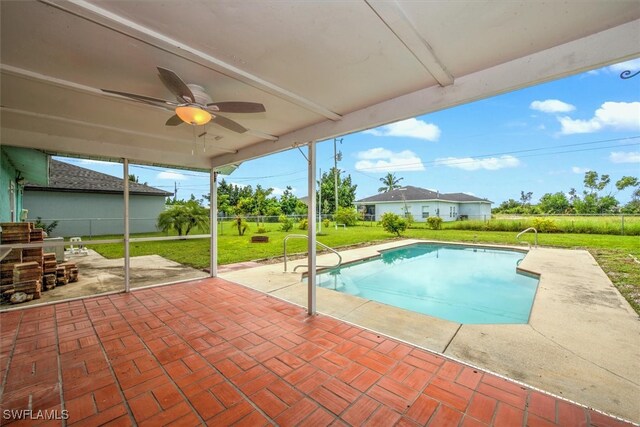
(422, 204)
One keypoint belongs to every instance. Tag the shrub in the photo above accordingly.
(409, 219)
(393, 223)
(544, 225)
(287, 223)
(261, 230)
(346, 216)
(326, 223)
(434, 222)
(303, 224)
(47, 228)
(241, 225)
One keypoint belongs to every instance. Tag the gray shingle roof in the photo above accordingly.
(409, 193)
(72, 178)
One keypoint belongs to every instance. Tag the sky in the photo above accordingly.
(540, 139)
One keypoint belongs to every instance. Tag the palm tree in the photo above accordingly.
(183, 217)
(390, 183)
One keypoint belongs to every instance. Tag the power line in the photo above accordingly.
(475, 157)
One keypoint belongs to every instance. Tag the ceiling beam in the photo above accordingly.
(118, 130)
(597, 50)
(112, 21)
(84, 147)
(391, 13)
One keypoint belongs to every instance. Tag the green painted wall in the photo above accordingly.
(7, 179)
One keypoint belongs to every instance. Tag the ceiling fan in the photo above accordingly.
(193, 105)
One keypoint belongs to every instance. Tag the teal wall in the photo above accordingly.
(93, 214)
(7, 176)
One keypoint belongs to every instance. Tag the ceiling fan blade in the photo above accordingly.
(142, 98)
(174, 121)
(238, 107)
(229, 124)
(176, 85)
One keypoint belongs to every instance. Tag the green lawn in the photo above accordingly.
(611, 252)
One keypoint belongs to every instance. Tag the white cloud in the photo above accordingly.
(174, 176)
(382, 160)
(552, 106)
(471, 164)
(613, 115)
(93, 162)
(633, 65)
(411, 128)
(277, 191)
(625, 157)
(579, 170)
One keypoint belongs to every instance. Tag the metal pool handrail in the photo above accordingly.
(304, 236)
(535, 239)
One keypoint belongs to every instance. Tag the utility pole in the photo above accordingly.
(336, 157)
(175, 191)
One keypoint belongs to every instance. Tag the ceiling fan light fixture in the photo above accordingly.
(193, 115)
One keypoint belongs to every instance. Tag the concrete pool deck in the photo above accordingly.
(582, 341)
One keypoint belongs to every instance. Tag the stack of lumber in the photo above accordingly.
(62, 276)
(16, 232)
(6, 267)
(24, 273)
(49, 271)
(27, 278)
(71, 271)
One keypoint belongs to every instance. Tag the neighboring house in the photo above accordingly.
(422, 204)
(19, 166)
(89, 203)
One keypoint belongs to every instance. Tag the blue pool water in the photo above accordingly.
(471, 285)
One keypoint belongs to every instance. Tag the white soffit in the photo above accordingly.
(321, 68)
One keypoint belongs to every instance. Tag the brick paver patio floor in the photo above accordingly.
(213, 352)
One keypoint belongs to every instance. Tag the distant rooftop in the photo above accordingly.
(67, 177)
(410, 193)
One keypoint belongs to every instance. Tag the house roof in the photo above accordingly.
(71, 178)
(411, 194)
(321, 68)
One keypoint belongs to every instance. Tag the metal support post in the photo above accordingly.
(127, 260)
(311, 215)
(213, 224)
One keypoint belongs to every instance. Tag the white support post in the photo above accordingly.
(127, 261)
(311, 218)
(213, 224)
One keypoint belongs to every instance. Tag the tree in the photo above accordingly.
(346, 192)
(183, 216)
(592, 183)
(393, 223)
(525, 198)
(507, 206)
(288, 201)
(135, 178)
(390, 182)
(556, 203)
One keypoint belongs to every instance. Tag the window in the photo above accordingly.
(425, 212)
(450, 211)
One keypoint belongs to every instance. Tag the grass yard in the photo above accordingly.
(611, 252)
(628, 225)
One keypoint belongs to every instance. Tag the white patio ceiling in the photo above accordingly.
(321, 68)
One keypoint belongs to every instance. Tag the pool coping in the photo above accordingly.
(557, 352)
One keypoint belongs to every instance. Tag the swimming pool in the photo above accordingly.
(464, 284)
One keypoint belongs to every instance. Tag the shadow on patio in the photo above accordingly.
(210, 351)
